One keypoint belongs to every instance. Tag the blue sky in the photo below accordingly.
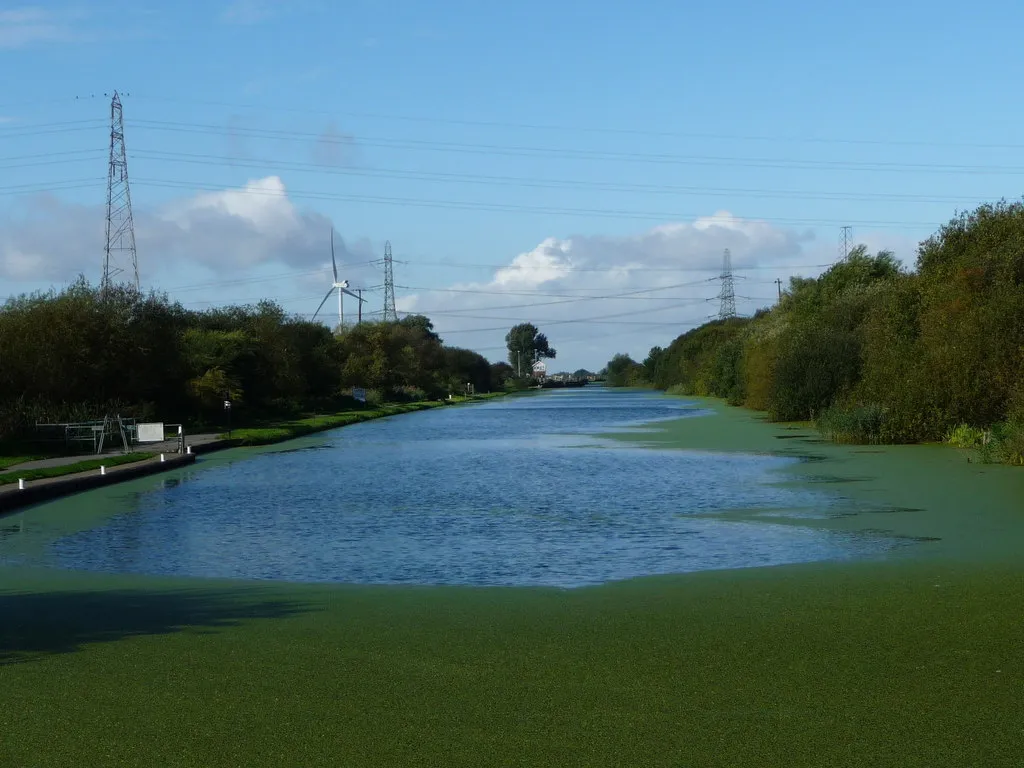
(585, 147)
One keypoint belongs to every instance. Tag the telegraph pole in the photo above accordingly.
(360, 292)
(119, 255)
(778, 282)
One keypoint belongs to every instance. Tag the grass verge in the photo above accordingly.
(11, 461)
(287, 430)
(7, 478)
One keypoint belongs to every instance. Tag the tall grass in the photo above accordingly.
(855, 424)
(966, 436)
(1003, 443)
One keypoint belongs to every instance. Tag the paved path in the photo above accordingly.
(168, 447)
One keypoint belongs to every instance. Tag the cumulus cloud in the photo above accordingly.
(223, 232)
(597, 295)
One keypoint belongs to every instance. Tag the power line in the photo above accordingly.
(574, 268)
(595, 129)
(575, 320)
(92, 122)
(511, 208)
(60, 186)
(571, 153)
(527, 182)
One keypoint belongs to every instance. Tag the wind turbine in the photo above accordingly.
(341, 286)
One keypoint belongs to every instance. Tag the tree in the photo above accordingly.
(624, 371)
(500, 373)
(526, 345)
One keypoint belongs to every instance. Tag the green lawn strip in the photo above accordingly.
(71, 469)
(287, 430)
(909, 665)
(10, 461)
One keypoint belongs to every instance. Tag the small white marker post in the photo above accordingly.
(21, 483)
(188, 449)
(162, 457)
(103, 470)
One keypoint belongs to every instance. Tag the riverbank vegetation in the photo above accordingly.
(78, 354)
(280, 431)
(874, 352)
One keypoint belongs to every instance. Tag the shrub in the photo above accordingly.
(857, 424)
(964, 436)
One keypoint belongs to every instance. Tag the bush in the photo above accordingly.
(856, 424)
(964, 436)
(404, 395)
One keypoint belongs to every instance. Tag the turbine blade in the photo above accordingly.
(353, 295)
(322, 304)
(334, 264)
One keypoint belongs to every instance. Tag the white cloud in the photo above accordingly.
(593, 295)
(223, 233)
(597, 295)
(30, 25)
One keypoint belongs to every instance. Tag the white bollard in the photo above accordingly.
(188, 449)
(162, 457)
(103, 470)
(21, 483)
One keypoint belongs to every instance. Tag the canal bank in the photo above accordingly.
(14, 496)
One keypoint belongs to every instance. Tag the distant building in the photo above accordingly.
(540, 371)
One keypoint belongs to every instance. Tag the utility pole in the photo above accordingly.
(778, 282)
(845, 241)
(390, 313)
(119, 254)
(727, 296)
(360, 292)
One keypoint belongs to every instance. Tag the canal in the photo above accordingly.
(524, 490)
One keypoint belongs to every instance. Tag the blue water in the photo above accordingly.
(512, 492)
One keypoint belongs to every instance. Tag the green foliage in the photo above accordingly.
(624, 371)
(878, 354)
(77, 355)
(964, 436)
(692, 360)
(858, 424)
(526, 345)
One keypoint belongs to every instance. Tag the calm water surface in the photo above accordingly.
(511, 492)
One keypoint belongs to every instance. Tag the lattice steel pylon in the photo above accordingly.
(390, 313)
(120, 262)
(845, 241)
(727, 296)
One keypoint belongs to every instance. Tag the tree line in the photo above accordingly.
(81, 353)
(873, 352)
